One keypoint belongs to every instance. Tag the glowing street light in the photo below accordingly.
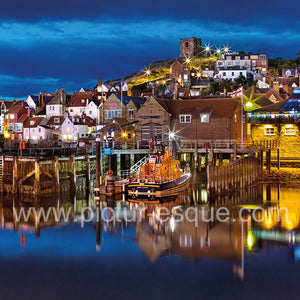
(248, 104)
(198, 74)
(171, 135)
(207, 48)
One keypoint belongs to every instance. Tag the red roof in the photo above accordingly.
(79, 100)
(32, 122)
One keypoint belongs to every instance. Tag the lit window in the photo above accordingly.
(56, 120)
(204, 118)
(32, 123)
(269, 131)
(185, 118)
(12, 117)
(289, 130)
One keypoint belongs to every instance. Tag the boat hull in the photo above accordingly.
(159, 189)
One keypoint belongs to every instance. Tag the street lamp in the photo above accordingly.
(171, 135)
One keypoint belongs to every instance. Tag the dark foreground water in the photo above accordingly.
(155, 257)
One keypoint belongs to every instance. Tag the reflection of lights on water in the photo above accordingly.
(204, 195)
(250, 240)
(172, 224)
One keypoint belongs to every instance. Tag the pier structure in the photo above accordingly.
(41, 175)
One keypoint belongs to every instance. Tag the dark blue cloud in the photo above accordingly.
(45, 45)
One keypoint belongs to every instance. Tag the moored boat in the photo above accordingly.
(160, 176)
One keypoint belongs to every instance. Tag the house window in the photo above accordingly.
(186, 44)
(71, 110)
(90, 112)
(224, 73)
(289, 130)
(204, 118)
(263, 62)
(269, 131)
(40, 129)
(185, 77)
(56, 120)
(185, 118)
(232, 73)
(110, 114)
(32, 123)
(12, 117)
(130, 113)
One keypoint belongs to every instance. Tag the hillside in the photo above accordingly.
(160, 69)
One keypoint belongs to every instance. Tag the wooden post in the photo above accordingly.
(119, 164)
(234, 154)
(278, 159)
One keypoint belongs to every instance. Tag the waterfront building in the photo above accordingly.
(120, 107)
(36, 130)
(279, 121)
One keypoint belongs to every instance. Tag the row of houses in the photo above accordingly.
(60, 118)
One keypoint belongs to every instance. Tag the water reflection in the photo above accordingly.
(158, 235)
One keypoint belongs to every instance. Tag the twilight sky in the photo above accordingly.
(47, 45)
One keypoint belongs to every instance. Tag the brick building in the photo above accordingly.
(114, 108)
(180, 72)
(205, 118)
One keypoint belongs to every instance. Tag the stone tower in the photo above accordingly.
(190, 47)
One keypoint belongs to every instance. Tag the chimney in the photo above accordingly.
(40, 96)
(276, 86)
(43, 100)
(29, 112)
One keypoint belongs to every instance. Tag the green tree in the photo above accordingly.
(241, 81)
(226, 85)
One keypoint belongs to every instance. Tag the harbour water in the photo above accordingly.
(154, 256)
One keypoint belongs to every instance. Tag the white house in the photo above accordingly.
(83, 104)
(93, 111)
(76, 128)
(35, 130)
(69, 132)
(57, 105)
(231, 73)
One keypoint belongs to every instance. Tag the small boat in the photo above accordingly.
(160, 176)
